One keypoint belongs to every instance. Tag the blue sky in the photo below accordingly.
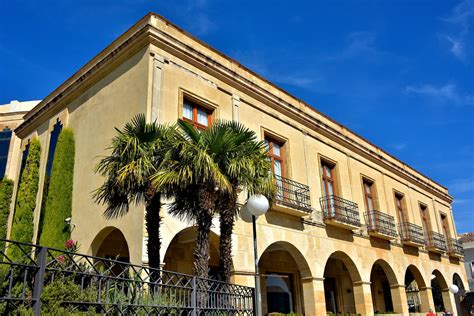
(399, 73)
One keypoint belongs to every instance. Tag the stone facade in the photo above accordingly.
(309, 262)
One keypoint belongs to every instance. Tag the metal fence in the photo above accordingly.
(380, 223)
(40, 279)
(339, 209)
(293, 194)
(436, 241)
(410, 232)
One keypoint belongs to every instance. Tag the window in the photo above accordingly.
(472, 269)
(425, 220)
(5, 137)
(197, 115)
(276, 154)
(328, 177)
(279, 290)
(444, 222)
(400, 206)
(369, 194)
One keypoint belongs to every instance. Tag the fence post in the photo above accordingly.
(194, 297)
(39, 280)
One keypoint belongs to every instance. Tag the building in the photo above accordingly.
(353, 229)
(467, 240)
(11, 115)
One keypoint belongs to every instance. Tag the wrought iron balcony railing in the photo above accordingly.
(380, 223)
(436, 241)
(411, 233)
(455, 247)
(340, 210)
(293, 194)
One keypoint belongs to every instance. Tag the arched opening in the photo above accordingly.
(179, 256)
(381, 278)
(281, 268)
(438, 286)
(110, 243)
(340, 274)
(413, 283)
(458, 296)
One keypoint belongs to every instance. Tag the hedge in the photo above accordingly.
(22, 228)
(6, 191)
(54, 232)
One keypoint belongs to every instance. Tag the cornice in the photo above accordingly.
(143, 33)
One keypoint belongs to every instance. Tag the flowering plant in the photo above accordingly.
(71, 245)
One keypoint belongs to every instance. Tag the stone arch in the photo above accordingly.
(110, 243)
(383, 287)
(418, 298)
(178, 256)
(440, 292)
(344, 289)
(458, 297)
(283, 270)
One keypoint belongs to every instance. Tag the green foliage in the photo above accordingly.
(54, 231)
(22, 228)
(6, 190)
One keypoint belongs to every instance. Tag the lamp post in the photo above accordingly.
(255, 206)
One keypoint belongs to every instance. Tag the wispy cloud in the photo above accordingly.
(358, 44)
(399, 146)
(461, 19)
(201, 23)
(445, 94)
(460, 186)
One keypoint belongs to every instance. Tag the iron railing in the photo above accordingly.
(436, 241)
(293, 194)
(379, 222)
(340, 210)
(30, 274)
(455, 247)
(411, 233)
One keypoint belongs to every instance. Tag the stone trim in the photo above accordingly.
(356, 283)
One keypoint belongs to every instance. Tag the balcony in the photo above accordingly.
(436, 242)
(380, 225)
(340, 212)
(455, 248)
(411, 234)
(292, 197)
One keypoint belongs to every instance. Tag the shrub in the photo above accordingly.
(6, 190)
(22, 228)
(54, 232)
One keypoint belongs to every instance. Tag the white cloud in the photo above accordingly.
(399, 146)
(358, 44)
(461, 19)
(445, 94)
(461, 186)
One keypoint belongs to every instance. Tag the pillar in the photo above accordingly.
(156, 111)
(399, 299)
(426, 299)
(449, 301)
(363, 298)
(313, 296)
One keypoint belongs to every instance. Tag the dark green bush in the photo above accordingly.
(22, 228)
(54, 232)
(6, 190)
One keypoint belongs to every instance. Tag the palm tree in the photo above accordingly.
(137, 152)
(196, 180)
(244, 161)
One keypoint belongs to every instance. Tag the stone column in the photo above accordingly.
(399, 299)
(313, 296)
(157, 89)
(235, 108)
(426, 299)
(449, 301)
(363, 298)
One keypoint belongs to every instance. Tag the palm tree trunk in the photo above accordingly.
(153, 222)
(227, 219)
(202, 253)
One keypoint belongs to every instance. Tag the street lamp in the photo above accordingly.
(453, 288)
(255, 206)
